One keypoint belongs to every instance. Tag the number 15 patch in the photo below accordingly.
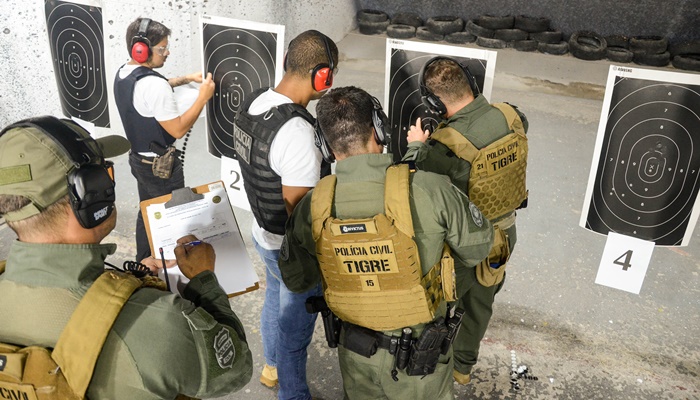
(624, 263)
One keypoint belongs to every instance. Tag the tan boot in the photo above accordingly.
(269, 376)
(462, 379)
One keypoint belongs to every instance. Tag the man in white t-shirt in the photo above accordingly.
(280, 163)
(150, 115)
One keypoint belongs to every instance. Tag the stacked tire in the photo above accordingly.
(650, 50)
(686, 55)
(372, 22)
(526, 33)
(404, 25)
(587, 45)
(618, 49)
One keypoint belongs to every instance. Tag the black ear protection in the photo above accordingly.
(140, 45)
(90, 186)
(379, 120)
(322, 144)
(432, 101)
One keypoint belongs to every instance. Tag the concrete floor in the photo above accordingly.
(582, 340)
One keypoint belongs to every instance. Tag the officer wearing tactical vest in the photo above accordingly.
(482, 148)
(151, 119)
(274, 142)
(385, 241)
(57, 193)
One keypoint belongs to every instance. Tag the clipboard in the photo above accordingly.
(206, 212)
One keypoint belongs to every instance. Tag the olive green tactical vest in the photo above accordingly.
(36, 373)
(497, 178)
(371, 268)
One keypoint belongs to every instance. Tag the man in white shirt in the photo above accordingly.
(274, 142)
(150, 115)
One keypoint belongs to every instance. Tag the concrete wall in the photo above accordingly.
(28, 85)
(676, 19)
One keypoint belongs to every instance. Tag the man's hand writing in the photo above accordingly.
(193, 259)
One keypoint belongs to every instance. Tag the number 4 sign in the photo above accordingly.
(624, 263)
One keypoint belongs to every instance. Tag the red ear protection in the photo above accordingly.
(322, 74)
(140, 45)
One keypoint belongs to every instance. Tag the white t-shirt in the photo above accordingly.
(293, 156)
(153, 96)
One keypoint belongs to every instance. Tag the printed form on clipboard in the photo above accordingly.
(205, 212)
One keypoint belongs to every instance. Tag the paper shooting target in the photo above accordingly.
(242, 57)
(646, 181)
(404, 63)
(77, 48)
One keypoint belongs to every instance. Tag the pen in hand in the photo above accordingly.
(193, 243)
(165, 269)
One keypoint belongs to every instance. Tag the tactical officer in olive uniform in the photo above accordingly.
(57, 193)
(482, 148)
(382, 240)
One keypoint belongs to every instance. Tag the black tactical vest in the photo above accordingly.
(252, 139)
(140, 131)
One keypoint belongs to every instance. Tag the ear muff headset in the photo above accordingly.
(322, 74)
(140, 45)
(90, 186)
(432, 101)
(322, 144)
(379, 120)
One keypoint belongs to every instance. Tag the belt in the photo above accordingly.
(142, 157)
(383, 341)
(386, 342)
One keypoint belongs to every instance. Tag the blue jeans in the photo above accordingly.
(151, 186)
(286, 329)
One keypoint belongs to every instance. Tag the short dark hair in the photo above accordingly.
(307, 50)
(155, 33)
(51, 218)
(446, 79)
(345, 117)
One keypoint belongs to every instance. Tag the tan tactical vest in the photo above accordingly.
(371, 269)
(36, 373)
(497, 178)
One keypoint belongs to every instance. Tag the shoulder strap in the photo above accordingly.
(83, 337)
(456, 142)
(142, 72)
(508, 112)
(321, 203)
(291, 110)
(396, 198)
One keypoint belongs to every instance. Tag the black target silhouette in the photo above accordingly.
(647, 178)
(405, 104)
(241, 61)
(77, 49)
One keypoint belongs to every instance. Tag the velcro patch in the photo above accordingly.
(476, 215)
(223, 348)
(17, 174)
(353, 228)
(376, 257)
(242, 144)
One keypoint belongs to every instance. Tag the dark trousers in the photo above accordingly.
(151, 186)
(477, 302)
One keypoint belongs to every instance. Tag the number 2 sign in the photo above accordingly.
(624, 263)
